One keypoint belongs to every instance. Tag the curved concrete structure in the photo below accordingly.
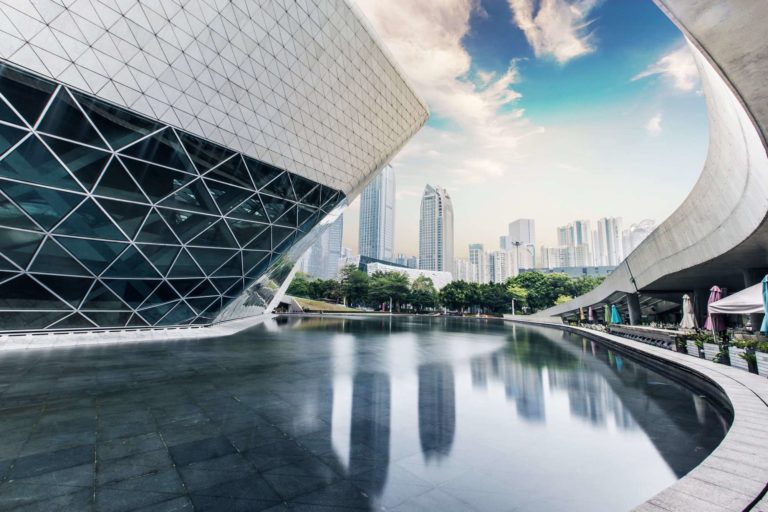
(719, 234)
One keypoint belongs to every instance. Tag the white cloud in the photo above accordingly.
(653, 126)
(556, 28)
(678, 67)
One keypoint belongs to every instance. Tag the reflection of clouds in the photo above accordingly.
(437, 410)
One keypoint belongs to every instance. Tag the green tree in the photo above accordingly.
(299, 286)
(423, 294)
(354, 285)
(562, 299)
(495, 298)
(389, 287)
(454, 295)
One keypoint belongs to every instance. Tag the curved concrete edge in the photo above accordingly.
(735, 476)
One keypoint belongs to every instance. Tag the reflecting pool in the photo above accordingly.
(321, 414)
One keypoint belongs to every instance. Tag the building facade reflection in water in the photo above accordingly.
(437, 410)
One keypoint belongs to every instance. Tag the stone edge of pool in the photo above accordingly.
(734, 477)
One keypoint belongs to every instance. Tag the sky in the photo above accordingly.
(554, 110)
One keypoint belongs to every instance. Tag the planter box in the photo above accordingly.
(710, 351)
(762, 363)
(736, 360)
(692, 349)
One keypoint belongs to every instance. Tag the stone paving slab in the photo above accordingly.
(735, 476)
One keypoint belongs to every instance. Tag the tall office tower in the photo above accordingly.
(478, 260)
(609, 246)
(377, 217)
(575, 237)
(412, 262)
(504, 242)
(462, 270)
(324, 255)
(436, 230)
(167, 165)
(501, 265)
(522, 240)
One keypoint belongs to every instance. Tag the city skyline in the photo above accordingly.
(578, 124)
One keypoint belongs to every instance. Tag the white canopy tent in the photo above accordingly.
(745, 302)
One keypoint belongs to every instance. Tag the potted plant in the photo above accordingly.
(742, 354)
(761, 357)
(693, 346)
(710, 345)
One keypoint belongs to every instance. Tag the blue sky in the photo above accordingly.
(550, 109)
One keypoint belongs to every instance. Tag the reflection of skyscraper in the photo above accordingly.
(524, 384)
(479, 373)
(437, 410)
(377, 217)
(322, 258)
(370, 431)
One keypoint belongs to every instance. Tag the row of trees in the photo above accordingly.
(530, 291)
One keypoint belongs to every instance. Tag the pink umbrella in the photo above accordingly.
(590, 315)
(715, 323)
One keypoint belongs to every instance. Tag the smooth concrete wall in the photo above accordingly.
(722, 221)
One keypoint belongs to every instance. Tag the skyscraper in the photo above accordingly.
(575, 238)
(478, 263)
(522, 240)
(608, 244)
(436, 230)
(377, 217)
(322, 258)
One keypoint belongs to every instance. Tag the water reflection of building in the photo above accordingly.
(437, 410)
(479, 373)
(370, 430)
(525, 385)
(591, 398)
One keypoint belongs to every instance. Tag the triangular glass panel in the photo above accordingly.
(6, 114)
(28, 94)
(279, 234)
(232, 268)
(162, 294)
(12, 217)
(180, 315)
(280, 187)
(263, 241)
(204, 154)
(132, 291)
(128, 216)
(161, 256)
(261, 173)
(303, 214)
(275, 207)
(313, 198)
(73, 321)
(26, 321)
(185, 266)
(202, 320)
(71, 289)
(24, 292)
(118, 125)
(109, 318)
(232, 171)
(210, 259)
(285, 244)
(193, 197)
(216, 236)
(88, 220)
(87, 164)
(253, 258)
(116, 183)
(199, 305)
(156, 230)
(236, 289)
(131, 264)
(19, 246)
(102, 297)
(302, 186)
(64, 119)
(205, 289)
(136, 321)
(258, 270)
(224, 283)
(94, 254)
(158, 182)
(45, 205)
(152, 315)
(186, 225)
(227, 197)
(52, 259)
(245, 231)
(162, 148)
(9, 136)
(184, 286)
(251, 210)
(213, 309)
(31, 161)
(288, 218)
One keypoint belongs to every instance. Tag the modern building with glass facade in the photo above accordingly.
(436, 230)
(377, 217)
(165, 163)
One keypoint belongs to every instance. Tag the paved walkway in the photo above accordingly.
(735, 476)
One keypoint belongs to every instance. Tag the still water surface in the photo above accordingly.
(328, 413)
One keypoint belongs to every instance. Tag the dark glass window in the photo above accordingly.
(19, 246)
(131, 264)
(184, 286)
(89, 220)
(31, 161)
(153, 315)
(12, 217)
(253, 258)
(205, 289)
(251, 209)
(210, 259)
(45, 205)
(111, 318)
(194, 197)
(280, 187)
(162, 294)
(87, 164)
(275, 207)
(232, 171)
(52, 259)
(26, 321)
(158, 182)
(102, 297)
(132, 291)
(162, 148)
(227, 197)
(136, 321)
(9, 136)
(94, 254)
(179, 315)
(71, 289)
(261, 173)
(200, 305)
(185, 267)
(6, 114)
(118, 184)
(23, 292)
(186, 225)
(233, 267)
(204, 154)
(128, 216)
(313, 198)
(156, 230)
(245, 231)
(64, 119)
(217, 235)
(161, 256)
(118, 125)
(73, 321)
(224, 283)
(302, 186)
(263, 241)
(27, 93)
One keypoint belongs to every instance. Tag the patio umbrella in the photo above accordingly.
(764, 327)
(714, 323)
(590, 314)
(606, 314)
(615, 316)
(581, 314)
(689, 318)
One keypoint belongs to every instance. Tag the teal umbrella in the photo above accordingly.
(764, 327)
(615, 316)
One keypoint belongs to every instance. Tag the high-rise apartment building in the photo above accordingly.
(521, 239)
(436, 230)
(377, 217)
(478, 261)
(501, 265)
(322, 258)
(608, 242)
